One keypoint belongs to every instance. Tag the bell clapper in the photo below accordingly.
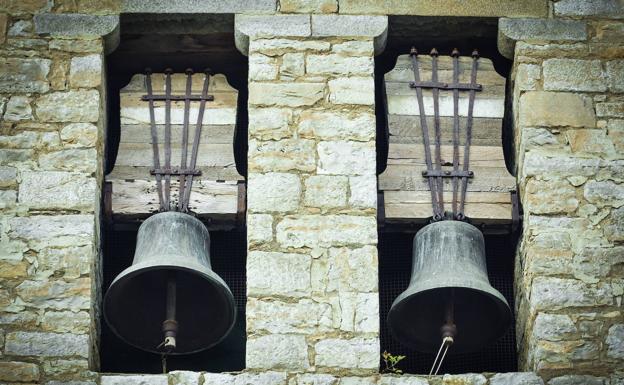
(448, 331)
(170, 325)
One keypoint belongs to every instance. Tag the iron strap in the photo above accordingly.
(434, 172)
(185, 172)
(437, 213)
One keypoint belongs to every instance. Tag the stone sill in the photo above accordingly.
(296, 378)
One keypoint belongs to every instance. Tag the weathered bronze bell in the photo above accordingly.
(170, 299)
(449, 295)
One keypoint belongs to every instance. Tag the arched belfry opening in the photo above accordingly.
(426, 61)
(169, 57)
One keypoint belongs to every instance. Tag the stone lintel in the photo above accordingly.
(199, 6)
(537, 30)
(268, 26)
(80, 25)
(479, 8)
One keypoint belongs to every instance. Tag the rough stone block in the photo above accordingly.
(273, 47)
(610, 109)
(55, 294)
(19, 372)
(66, 321)
(559, 293)
(4, 21)
(277, 351)
(60, 230)
(325, 191)
(314, 379)
(614, 340)
(199, 6)
(354, 48)
(273, 192)
(285, 94)
(615, 74)
(77, 160)
(57, 190)
(574, 75)
(363, 191)
(346, 158)
(550, 197)
(141, 379)
(604, 193)
(553, 327)
(79, 135)
(219, 379)
(356, 353)
(260, 228)
(183, 377)
(555, 109)
(563, 165)
(346, 270)
(537, 30)
(521, 378)
(262, 67)
(47, 344)
(577, 380)
(269, 123)
(86, 71)
(77, 45)
(527, 76)
(308, 6)
(18, 108)
(24, 75)
(325, 231)
(588, 8)
(355, 90)
(273, 273)
(373, 26)
(264, 378)
(335, 126)
(464, 379)
(8, 199)
(336, 65)
(283, 155)
(71, 106)
(590, 141)
(293, 65)
(303, 317)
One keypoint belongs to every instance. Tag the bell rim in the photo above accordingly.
(134, 270)
(499, 300)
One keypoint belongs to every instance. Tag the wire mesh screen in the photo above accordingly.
(228, 258)
(395, 264)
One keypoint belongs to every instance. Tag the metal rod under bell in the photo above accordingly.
(170, 325)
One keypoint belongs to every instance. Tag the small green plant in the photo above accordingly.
(391, 362)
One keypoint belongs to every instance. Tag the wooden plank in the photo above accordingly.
(409, 178)
(413, 154)
(407, 104)
(218, 83)
(207, 197)
(141, 133)
(141, 154)
(406, 129)
(136, 113)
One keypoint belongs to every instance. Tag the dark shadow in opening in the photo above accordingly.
(395, 265)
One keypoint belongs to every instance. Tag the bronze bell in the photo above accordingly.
(170, 299)
(449, 294)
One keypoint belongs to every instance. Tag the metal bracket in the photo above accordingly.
(163, 98)
(174, 171)
(447, 173)
(447, 86)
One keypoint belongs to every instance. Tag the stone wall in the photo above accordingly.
(51, 130)
(312, 272)
(568, 107)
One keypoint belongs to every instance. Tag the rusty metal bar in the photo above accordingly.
(168, 72)
(198, 128)
(154, 134)
(471, 98)
(437, 215)
(187, 108)
(175, 171)
(436, 124)
(455, 55)
(448, 173)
